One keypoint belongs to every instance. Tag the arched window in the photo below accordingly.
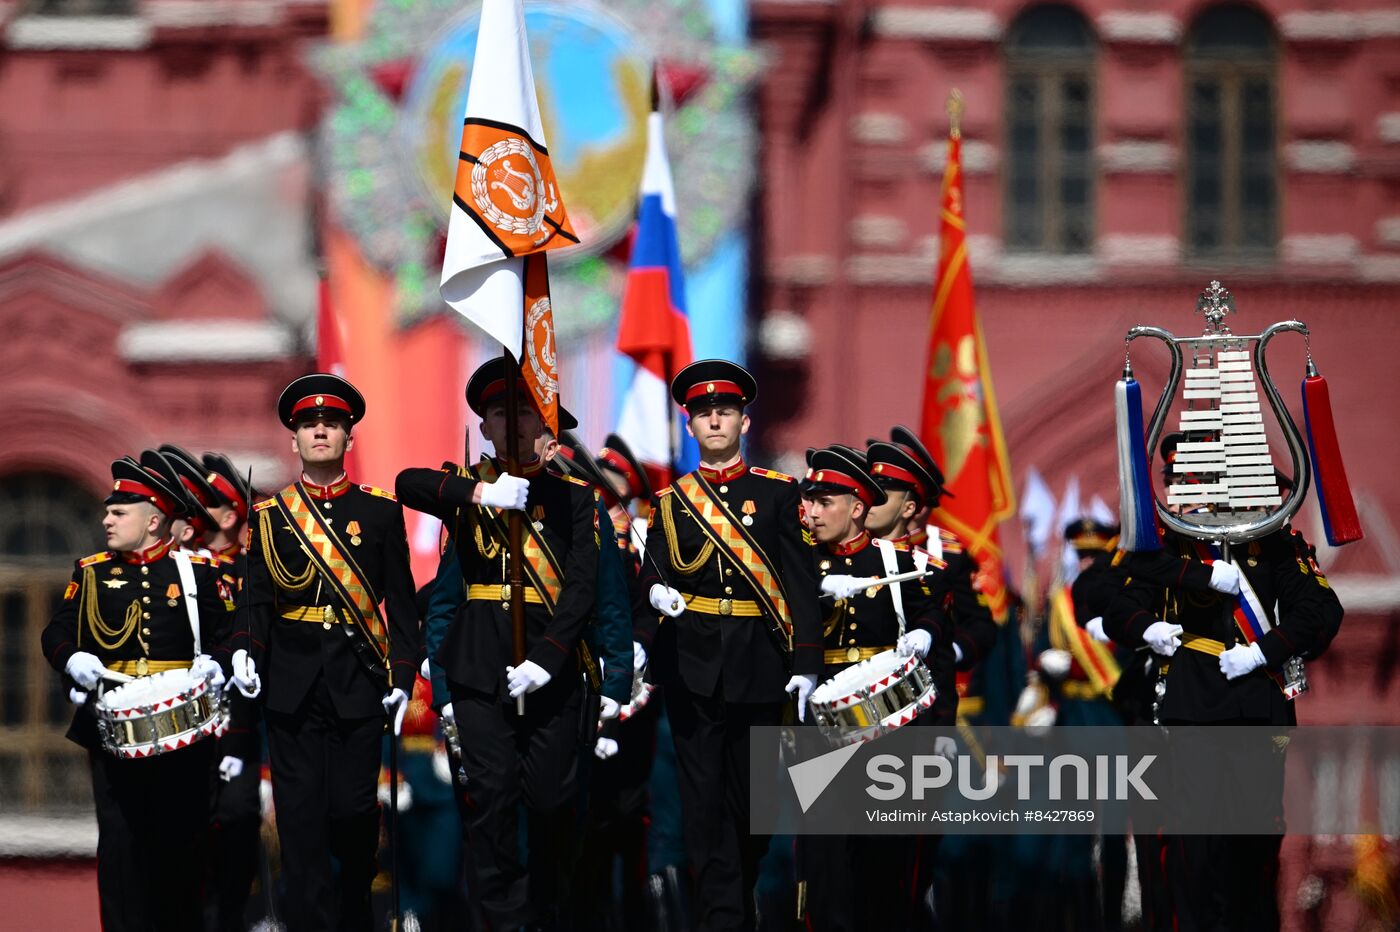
(1049, 197)
(46, 522)
(1231, 164)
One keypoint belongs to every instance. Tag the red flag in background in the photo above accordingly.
(959, 423)
(330, 355)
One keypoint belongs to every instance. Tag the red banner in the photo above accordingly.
(959, 423)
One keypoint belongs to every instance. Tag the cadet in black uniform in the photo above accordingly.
(236, 821)
(860, 882)
(1216, 676)
(125, 612)
(509, 757)
(740, 590)
(914, 484)
(323, 554)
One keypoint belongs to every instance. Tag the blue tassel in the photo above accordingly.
(1136, 506)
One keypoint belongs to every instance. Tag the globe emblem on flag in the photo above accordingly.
(593, 84)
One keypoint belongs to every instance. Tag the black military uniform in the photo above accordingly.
(236, 821)
(975, 632)
(863, 882)
(1226, 881)
(129, 610)
(327, 656)
(729, 655)
(508, 757)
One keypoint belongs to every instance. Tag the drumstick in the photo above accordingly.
(116, 677)
(889, 580)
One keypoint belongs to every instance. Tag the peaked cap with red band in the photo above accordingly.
(617, 456)
(319, 395)
(131, 483)
(893, 467)
(832, 472)
(231, 488)
(713, 382)
(487, 387)
(163, 465)
(191, 474)
(902, 436)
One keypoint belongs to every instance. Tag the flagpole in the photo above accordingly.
(672, 428)
(515, 527)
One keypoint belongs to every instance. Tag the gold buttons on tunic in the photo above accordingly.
(853, 653)
(853, 626)
(145, 570)
(146, 599)
(728, 590)
(723, 489)
(145, 584)
(142, 668)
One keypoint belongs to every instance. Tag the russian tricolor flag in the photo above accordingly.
(654, 330)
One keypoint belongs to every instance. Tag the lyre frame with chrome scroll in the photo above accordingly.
(1229, 529)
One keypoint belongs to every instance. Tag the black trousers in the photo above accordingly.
(325, 771)
(152, 816)
(712, 761)
(1227, 883)
(858, 882)
(510, 759)
(235, 836)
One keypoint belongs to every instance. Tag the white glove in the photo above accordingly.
(77, 696)
(802, 685)
(447, 714)
(915, 641)
(1055, 663)
(1041, 718)
(205, 666)
(605, 748)
(843, 587)
(395, 705)
(526, 678)
(245, 675)
(424, 669)
(1095, 628)
(666, 600)
(945, 746)
(608, 709)
(1224, 577)
(85, 669)
(506, 492)
(1241, 659)
(639, 657)
(1162, 638)
(230, 768)
(957, 653)
(405, 795)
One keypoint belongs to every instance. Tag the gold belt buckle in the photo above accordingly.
(726, 607)
(852, 654)
(141, 666)
(327, 617)
(505, 592)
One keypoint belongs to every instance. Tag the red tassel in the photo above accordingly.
(1339, 518)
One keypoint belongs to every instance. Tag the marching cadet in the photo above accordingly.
(1218, 674)
(236, 821)
(510, 757)
(323, 554)
(858, 882)
(134, 610)
(914, 483)
(740, 590)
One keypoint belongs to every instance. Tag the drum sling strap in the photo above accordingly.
(186, 571)
(887, 556)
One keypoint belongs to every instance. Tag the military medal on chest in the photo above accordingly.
(353, 529)
(749, 509)
(172, 595)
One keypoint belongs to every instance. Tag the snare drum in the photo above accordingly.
(872, 697)
(159, 713)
